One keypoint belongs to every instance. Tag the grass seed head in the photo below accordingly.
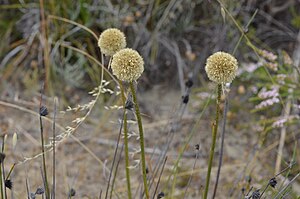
(221, 67)
(127, 65)
(111, 41)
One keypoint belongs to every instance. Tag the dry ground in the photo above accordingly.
(86, 171)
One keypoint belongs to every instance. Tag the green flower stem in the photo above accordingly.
(126, 142)
(138, 115)
(214, 138)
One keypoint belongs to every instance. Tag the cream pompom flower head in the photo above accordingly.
(127, 65)
(111, 41)
(221, 67)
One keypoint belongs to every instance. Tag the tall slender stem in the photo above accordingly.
(142, 145)
(214, 138)
(1, 176)
(221, 151)
(126, 143)
(54, 151)
(44, 159)
(113, 164)
(3, 170)
(1, 181)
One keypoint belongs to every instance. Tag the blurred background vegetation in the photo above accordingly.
(173, 36)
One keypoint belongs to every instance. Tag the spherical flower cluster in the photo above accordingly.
(111, 41)
(127, 65)
(221, 67)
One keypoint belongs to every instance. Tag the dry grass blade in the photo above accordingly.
(7, 104)
(74, 23)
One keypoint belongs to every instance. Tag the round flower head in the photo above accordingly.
(127, 65)
(221, 67)
(111, 41)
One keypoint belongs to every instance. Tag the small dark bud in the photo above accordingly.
(129, 104)
(243, 190)
(185, 99)
(189, 83)
(8, 184)
(147, 170)
(160, 195)
(2, 157)
(39, 191)
(197, 147)
(256, 194)
(273, 182)
(248, 179)
(72, 192)
(43, 111)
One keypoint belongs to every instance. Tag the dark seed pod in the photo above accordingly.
(273, 182)
(243, 190)
(189, 83)
(147, 170)
(197, 147)
(248, 179)
(185, 99)
(72, 192)
(43, 111)
(129, 104)
(256, 194)
(39, 191)
(160, 195)
(8, 184)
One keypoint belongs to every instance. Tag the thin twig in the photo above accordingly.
(190, 178)
(27, 188)
(3, 170)
(43, 147)
(100, 194)
(11, 169)
(114, 159)
(288, 167)
(286, 114)
(115, 173)
(162, 169)
(178, 114)
(280, 192)
(54, 154)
